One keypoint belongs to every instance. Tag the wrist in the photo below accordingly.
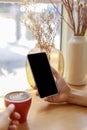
(77, 97)
(71, 97)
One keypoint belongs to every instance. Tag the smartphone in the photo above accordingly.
(42, 74)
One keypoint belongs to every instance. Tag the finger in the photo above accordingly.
(55, 73)
(37, 94)
(15, 122)
(61, 84)
(10, 109)
(34, 87)
(53, 99)
(12, 127)
(49, 99)
(16, 115)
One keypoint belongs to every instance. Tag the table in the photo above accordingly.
(45, 116)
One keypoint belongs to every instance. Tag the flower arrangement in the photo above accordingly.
(77, 13)
(43, 24)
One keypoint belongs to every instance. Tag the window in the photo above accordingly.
(9, 22)
(15, 42)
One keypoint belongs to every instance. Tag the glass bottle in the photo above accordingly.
(55, 57)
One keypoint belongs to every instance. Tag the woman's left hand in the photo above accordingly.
(6, 123)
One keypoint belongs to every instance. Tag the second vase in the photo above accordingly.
(75, 71)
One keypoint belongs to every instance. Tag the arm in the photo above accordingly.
(66, 93)
(78, 97)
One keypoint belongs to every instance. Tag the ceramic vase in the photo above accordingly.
(75, 71)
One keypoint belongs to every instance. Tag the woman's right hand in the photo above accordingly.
(66, 94)
(63, 90)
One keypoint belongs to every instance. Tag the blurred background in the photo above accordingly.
(15, 42)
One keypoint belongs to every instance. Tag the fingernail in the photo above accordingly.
(12, 106)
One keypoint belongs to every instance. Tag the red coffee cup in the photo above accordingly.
(22, 101)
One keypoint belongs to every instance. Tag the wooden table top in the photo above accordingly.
(45, 116)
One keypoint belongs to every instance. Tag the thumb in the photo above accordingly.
(10, 109)
(55, 73)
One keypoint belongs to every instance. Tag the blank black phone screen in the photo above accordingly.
(42, 74)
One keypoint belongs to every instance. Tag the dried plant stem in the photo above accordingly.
(70, 8)
(62, 17)
(76, 8)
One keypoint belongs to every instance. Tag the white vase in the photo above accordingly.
(75, 71)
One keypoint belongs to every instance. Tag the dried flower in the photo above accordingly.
(43, 24)
(77, 13)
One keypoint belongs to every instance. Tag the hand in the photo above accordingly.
(63, 90)
(65, 93)
(5, 122)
